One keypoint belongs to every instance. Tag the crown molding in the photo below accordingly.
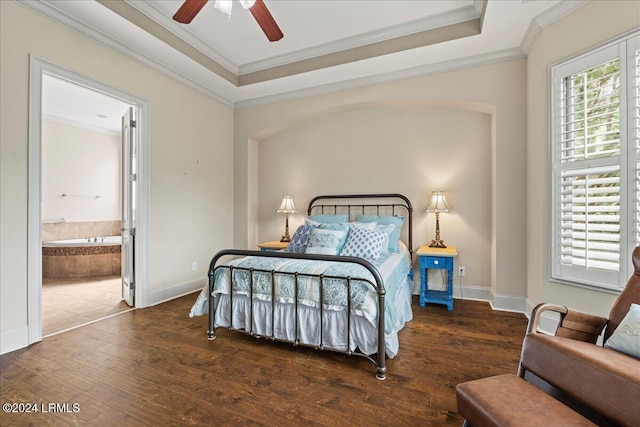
(394, 76)
(160, 33)
(546, 18)
(479, 5)
(530, 36)
(149, 10)
(463, 14)
(47, 10)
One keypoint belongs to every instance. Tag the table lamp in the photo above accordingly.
(286, 207)
(438, 204)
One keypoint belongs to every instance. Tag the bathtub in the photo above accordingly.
(77, 258)
(89, 241)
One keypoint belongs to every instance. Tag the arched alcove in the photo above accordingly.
(412, 147)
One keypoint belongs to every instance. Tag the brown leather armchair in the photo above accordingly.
(600, 383)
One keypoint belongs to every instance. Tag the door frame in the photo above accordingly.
(38, 67)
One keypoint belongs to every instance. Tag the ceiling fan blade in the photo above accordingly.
(189, 10)
(265, 20)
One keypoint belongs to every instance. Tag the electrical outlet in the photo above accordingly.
(461, 271)
(194, 266)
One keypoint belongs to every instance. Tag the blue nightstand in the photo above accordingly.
(272, 246)
(442, 259)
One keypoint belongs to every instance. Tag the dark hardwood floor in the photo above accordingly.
(156, 367)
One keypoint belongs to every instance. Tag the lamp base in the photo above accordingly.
(437, 244)
(285, 237)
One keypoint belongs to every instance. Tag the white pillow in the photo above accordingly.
(364, 243)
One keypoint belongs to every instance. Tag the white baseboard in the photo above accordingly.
(509, 303)
(14, 339)
(474, 293)
(548, 323)
(528, 309)
(177, 291)
(497, 302)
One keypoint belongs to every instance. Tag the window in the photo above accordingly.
(595, 146)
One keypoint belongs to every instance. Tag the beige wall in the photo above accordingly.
(411, 150)
(80, 162)
(197, 174)
(191, 178)
(496, 90)
(589, 26)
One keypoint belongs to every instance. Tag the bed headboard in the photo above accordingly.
(367, 204)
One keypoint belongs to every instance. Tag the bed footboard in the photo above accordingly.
(378, 359)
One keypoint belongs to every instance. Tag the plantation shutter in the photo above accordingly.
(633, 52)
(596, 182)
(590, 219)
(590, 196)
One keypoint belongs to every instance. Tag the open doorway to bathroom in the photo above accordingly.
(81, 204)
(135, 277)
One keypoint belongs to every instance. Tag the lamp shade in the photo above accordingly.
(287, 205)
(438, 203)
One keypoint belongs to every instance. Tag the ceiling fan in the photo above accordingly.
(258, 9)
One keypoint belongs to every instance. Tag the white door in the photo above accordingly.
(128, 229)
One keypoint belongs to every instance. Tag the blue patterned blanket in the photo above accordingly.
(334, 290)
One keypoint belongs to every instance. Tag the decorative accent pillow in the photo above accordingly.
(387, 230)
(327, 219)
(364, 225)
(342, 226)
(364, 243)
(626, 337)
(394, 237)
(325, 241)
(300, 239)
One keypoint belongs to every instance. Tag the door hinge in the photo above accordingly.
(132, 286)
(133, 177)
(132, 123)
(132, 232)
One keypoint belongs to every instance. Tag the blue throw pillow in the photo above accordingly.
(626, 337)
(300, 239)
(329, 219)
(394, 237)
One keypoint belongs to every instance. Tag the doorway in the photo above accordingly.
(83, 161)
(91, 207)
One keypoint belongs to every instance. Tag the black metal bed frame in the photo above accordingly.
(379, 360)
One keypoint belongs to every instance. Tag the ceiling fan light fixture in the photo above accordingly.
(258, 9)
(224, 6)
(247, 4)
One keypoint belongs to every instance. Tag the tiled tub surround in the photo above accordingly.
(81, 259)
(85, 261)
(79, 230)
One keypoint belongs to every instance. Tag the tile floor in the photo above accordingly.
(67, 303)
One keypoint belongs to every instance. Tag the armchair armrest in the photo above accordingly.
(573, 324)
